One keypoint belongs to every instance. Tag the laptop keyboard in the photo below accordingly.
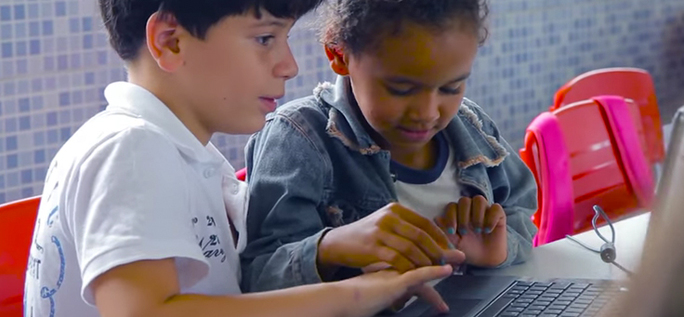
(558, 299)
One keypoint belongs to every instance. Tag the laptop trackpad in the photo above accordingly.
(465, 294)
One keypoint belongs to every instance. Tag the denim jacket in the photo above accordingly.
(314, 167)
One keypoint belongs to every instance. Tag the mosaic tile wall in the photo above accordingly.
(55, 62)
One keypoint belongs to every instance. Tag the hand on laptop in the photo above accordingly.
(477, 229)
(422, 290)
(394, 235)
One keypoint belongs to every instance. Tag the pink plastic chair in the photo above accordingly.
(631, 153)
(631, 83)
(546, 155)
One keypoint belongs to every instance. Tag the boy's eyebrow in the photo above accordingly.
(405, 80)
(270, 22)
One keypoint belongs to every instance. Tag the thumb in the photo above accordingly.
(425, 274)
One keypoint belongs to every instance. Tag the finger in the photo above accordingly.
(494, 217)
(477, 213)
(451, 217)
(394, 258)
(376, 267)
(422, 223)
(423, 275)
(406, 247)
(430, 295)
(463, 213)
(418, 237)
(401, 302)
(454, 257)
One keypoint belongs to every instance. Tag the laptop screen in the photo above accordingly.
(672, 180)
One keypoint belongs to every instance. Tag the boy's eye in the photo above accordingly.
(400, 92)
(265, 40)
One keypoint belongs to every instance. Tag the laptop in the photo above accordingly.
(506, 296)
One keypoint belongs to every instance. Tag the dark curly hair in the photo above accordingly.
(359, 25)
(125, 20)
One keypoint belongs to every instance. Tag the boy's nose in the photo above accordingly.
(287, 68)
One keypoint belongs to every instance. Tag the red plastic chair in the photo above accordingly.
(241, 174)
(17, 220)
(598, 165)
(546, 155)
(631, 83)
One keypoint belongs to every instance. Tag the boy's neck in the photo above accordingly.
(162, 86)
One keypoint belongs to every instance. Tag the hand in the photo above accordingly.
(425, 291)
(394, 235)
(476, 228)
(374, 292)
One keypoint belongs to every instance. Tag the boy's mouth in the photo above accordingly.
(269, 104)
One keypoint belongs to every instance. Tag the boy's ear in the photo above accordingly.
(163, 41)
(337, 60)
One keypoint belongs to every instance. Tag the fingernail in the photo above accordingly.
(443, 307)
(463, 231)
(478, 230)
(451, 231)
(488, 230)
(451, 246)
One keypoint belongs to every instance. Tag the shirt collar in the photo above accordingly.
(142, 103)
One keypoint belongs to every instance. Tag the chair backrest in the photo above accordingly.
(546, 155)
(241, 174)
(596, 165)
(632, 83)
(17, 220)
(627, 140)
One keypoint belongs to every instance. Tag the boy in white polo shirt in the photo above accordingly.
(141, 215)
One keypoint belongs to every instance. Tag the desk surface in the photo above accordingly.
(566, 259)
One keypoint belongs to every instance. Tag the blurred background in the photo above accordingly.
(55, 63)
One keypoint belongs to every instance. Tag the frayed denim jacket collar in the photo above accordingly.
(479, 147)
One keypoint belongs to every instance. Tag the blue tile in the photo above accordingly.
(11, 143)
(65, 133)
(27, 192)
(64, 99)
(89, 78)
(39, 156)
(5, 13)
(24, 123)
(52, 136)
(76, 97)
(22, 48)
(64, 117)
(37, 103)
(6, 31)
(39, 173)
(76, 60)
(22, 68)
(74, 25)
(49, 63)
(51, 119)
(102, 58)
(60, 8)
(10, 125)
(33, 10)
(3, 199)
(34, 47)
(78, 115)
(87, 41)
(62, 62)
(47, 28)
(2, 182)
(24, 105)
(12, 161)
(26, 176)
(87, 24)
(7, 49)
(19, 12)
(39, 139)
(34, 29)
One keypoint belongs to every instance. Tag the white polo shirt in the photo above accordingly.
(133, 183)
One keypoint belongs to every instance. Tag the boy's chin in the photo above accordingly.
(246, 126)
